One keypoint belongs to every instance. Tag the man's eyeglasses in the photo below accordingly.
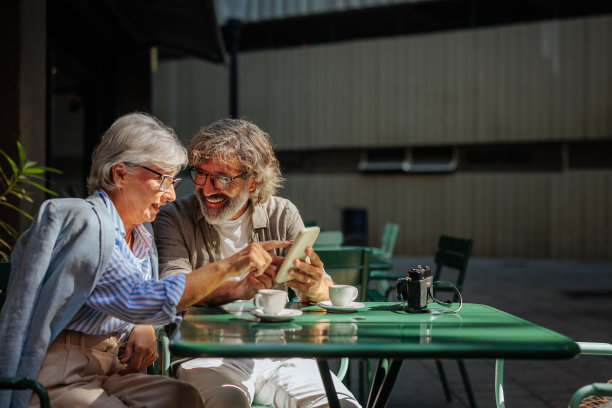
(166, 179)
(218, 182)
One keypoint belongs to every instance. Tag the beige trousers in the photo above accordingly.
(81, 371)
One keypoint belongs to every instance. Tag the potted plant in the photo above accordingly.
(14, 183)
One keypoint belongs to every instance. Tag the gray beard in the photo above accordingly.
(230, 208)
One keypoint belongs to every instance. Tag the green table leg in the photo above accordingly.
(499, 383)
(328, 383)
(383, 382)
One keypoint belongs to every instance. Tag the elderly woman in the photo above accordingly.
(84, 281)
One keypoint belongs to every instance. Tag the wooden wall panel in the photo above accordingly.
(581, 214)
(570, 91)
(539, 81)
(186, 98)
(598, 86)
(512, 83)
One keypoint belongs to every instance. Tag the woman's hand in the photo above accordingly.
(255, 258)
(140, 349)
(267, 280)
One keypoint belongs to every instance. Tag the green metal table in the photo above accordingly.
(383, 330)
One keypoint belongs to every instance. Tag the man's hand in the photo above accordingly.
(309, 278)
(140, 349)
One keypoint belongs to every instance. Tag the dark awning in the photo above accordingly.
(178, 27)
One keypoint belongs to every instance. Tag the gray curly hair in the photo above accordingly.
(248, 143)
(135, 139)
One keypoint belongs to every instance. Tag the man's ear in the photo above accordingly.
(119, 173)
(253, 185)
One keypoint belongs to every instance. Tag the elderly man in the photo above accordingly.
(235, 173)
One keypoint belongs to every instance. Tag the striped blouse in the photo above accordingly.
(126, 294)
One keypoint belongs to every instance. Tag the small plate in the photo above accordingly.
(351, 307)
(283, 316)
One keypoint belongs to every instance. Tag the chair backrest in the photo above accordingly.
(347, 266)
(329, 239)
(388, 239)
(24, 383)
(5, 271)
(453, 253)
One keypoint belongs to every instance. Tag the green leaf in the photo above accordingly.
(28, 173)
(33, 170)
(40, 187)
(20, 189)
(8, 228)
(22, 155)
(5, 244)
(51, 169)
(40, 169)
(11, 162)
(20, 195)
(19, 210)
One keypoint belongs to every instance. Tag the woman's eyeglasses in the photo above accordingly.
(166, 179)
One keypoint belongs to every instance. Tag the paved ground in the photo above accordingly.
(573, 298)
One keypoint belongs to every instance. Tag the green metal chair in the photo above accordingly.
(387, 243)
(347, 266)
(161, 366)
(23, 383)
(595, 390)
(329, 239)
(18, 383)
(381, 263)
(453, 254)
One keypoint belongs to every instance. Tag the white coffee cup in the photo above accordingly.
(342, 295)
(271, 301)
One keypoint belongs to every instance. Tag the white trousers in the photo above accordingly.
(285, 383)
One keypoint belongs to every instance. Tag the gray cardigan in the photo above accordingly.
(55, 265)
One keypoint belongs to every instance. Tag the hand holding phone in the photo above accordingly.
(306, 238)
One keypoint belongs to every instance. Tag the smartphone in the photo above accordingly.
(306, 238)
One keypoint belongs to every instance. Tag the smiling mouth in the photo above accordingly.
(215, 200)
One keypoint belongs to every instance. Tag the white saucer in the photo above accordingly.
(351, 307)
(282, 316)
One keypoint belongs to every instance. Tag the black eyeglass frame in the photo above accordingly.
(175, 180)
(227, 180)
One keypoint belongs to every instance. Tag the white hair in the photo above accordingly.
(135, 139)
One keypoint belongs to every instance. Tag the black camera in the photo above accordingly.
(416, 288)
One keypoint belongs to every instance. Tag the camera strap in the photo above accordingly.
(448, 303)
